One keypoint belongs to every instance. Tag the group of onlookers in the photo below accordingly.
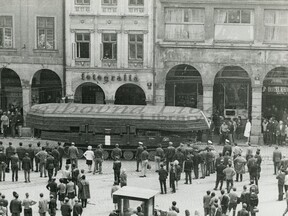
(11, 122)
(274, 132)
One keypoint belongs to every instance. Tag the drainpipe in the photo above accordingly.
(154, 52)
(64, 46)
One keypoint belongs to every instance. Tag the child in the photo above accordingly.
(114, 188)
(89, 155)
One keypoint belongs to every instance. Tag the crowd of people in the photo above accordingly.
(11, 122)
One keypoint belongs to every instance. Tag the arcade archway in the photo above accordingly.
(89, 93)
(130, 94)
(232, 95)
(46, 87)
(11, 91)
(184, 87)
(275, 94)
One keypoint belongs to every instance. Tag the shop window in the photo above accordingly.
(82, 2)
(276, 26)
(83, 45)
(234, 25)
(109, 46)
(109, 2)
(184, 24)
(136, 47)
(74, 129)
(136, 2)
(6, 32)
(45, 33)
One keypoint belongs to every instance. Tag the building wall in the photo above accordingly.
(24, 57)
(97, 19)
(257, 57)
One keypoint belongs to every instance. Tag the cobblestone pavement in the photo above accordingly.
(187, 196)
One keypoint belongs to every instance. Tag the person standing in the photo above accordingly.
(10, 150)
(116, 152)
(84, 191)
(73, 154)
(139, 151)
(114, 188)
(66, 208)
(227, 148)
(61, 154)
(220, 175)
(172, 178)
(61, 188)
(243, 211)
(178, 171)
(27, 203)
(2, 147)
(14, 167)
(144, 161)
(5, 124)
(249, 152)
(98, 159)
(203, 163)
(42, 156)
(53, 188)
(247, 130)
(89, 156)
(3, 165)
(206, 203)
(196, 159)
(123, 178)
(233, 198)
(280, 133)
(179, 156)
(281, 180)
(77, 208)
(239, 165)
(169, 155)
(42, 205)
(253, 169)
(224, 202)
(210, 158)
(37, 161)
(52, 206)
(56, 155)
(21, 154)
(237, 151)
(223, 132)
(70, 193)
(277, 157)
(31, 155)
(163, 174)
(15, 205)
(258, 161)
(159, 156)
(26, 166)
(253, 202)
(117, 169)
(265, 132)
(229, 175)
(187, 167)
(50, 166)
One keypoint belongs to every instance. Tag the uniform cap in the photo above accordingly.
(210, 142)
(140, 143)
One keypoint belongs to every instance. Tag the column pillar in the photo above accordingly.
(160, 95)
(208, 99)
(256, 115)
(109, 101)
(26, 97)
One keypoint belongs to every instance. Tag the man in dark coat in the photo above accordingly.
(281, 181)
(159, 156)
(162, 178)
(2, 165)
(77, 209)
(50, 166)
(227, 147)
(98, 159)
(196, 161)
(253, 201)
(66, 208)
(243, 211)
(188, 166)
(55, 153)
(138, 155)
(61, 154)
(15, 205)
(169, 155)
(37, 149)
(224, 202)
(26, 166)
(116, 152)
(172, 178)
(277, 157)
(220, 175)
(31, 155)
(14, 166)
(21, 154)
(253, 169)
(10, 150)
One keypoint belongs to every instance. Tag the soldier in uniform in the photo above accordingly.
(61, 153)
(139, 150)
(36, 150)
(159, 156)
(9, 152)
(169, 155)
(50, 166)
(31, 155)
(21, 154)
(26, 166)
(116, 152)
(14, 166)
(55, 153)
(98, 159)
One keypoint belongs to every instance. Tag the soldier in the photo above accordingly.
(159, 156)
(116, 152)
(220, 175)
(187, 167)
(42, 156)
(15, 204)
(209, 162)
(50, 166)
(3, 165)
(179, 156)
(203, 163)
(9, 152)
(253, 169)
(31, 155)
(169, 155)
(21, 154)
(14, 166)
(277, 156)
(26, 166)
(227, 147)
(196, 161)
(144, 161)
(36, 150)
(55, 153)
(98, 159)
(73, 154)
(61, 154)
(139, 150)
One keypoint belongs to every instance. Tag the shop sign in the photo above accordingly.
(107, 78)
(275, 90)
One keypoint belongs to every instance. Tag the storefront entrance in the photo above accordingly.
(275, 94)
(89, 93)
(184, 87)
(130, 94)
(232, 95)
(46, 87)
(11, 91)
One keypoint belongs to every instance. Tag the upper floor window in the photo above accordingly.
(276, 26)
(109, 2)
(45, 33)
(109, 46)
(184, 23)
(136, 47)
(83, 45)
(136, 2)
(234, 25)
(82, 2)
(6, 32)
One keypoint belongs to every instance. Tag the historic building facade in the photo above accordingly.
(228, 58)
(31, 53)
(109, 51)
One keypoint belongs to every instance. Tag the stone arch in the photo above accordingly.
(130, 94)
(89, 93)
(46, 87)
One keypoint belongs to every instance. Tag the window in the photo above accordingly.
(276, 26)
(109, 2)
(83, 45)
(82, 2)
(6, 32)
(234, 25)
(184, 24)
(45, 33)
(136, 2)
(136, 46)
(109, 46)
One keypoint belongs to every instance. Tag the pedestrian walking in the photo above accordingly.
(61, 188)
(31, 155)
(281, 181)
(224, 202)
(53, 188)
(66, 208)
(42, 205)
(116, 152)
(239, 165)
(220, 176)
(229, 175)
(42, 156)
(21, 154)
(123, 178)
(27, 203)
(99, 158)
(77, 208)
(56, 155)
(163, 174)
(89, 156)
(159, 156)
(26, 166)
(70, 191)
(277, 157)
(73, 154)
(196, 159)
(170, 151)
(187, 167)
(253, 169)
(14, 167)
(61, 154)
(15, 205)
(144, 161)
(138, 153)
(253, 202)
(206, 203)
(52, 206)
(117, 169)
(84, 191)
